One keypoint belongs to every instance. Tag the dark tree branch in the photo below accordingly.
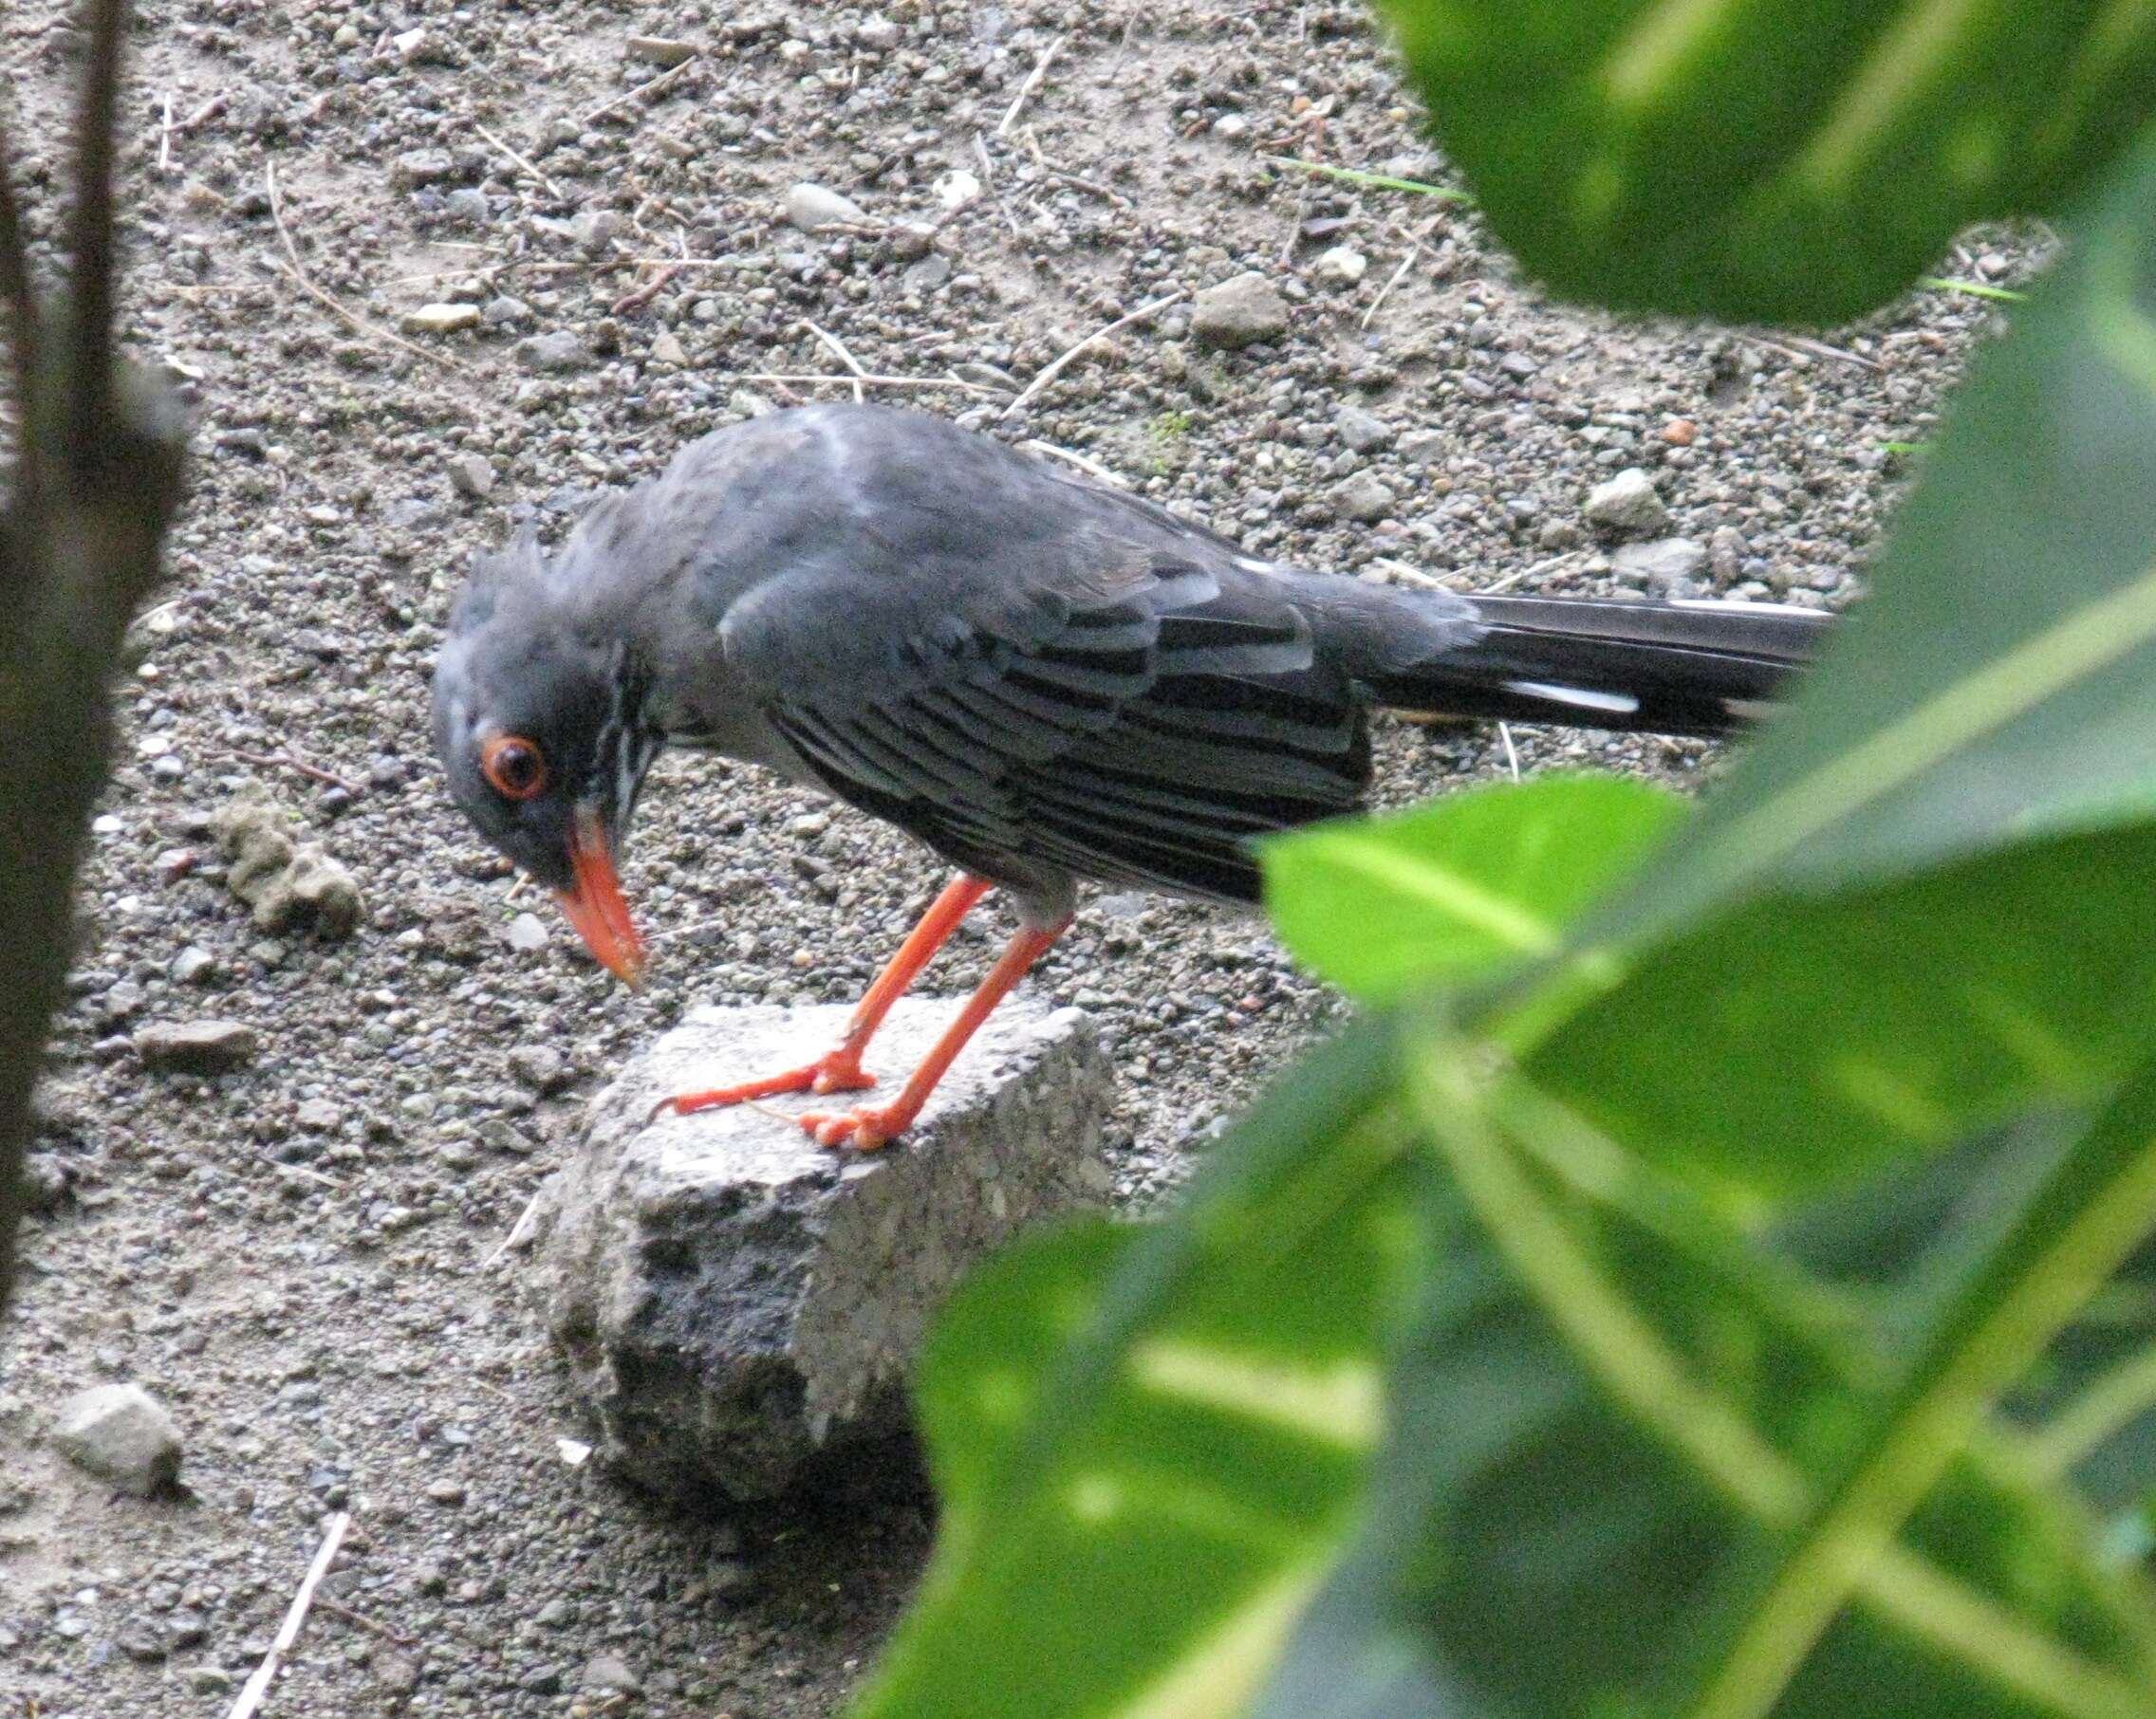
(24, 333)
(89, 232)
(97, 481)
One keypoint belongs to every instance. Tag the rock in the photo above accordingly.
(878, 32)
(1627, 506)
(663, 51)
(1365, 431)
(1231, 126)
(605, 1673)
(120, 1434)
(956, 189)
(1238, 312)
(422, 167)
(203, 1047)
(441, 319)
(1343, 265)
(1364, 498)
(539, 1066)
(471, 474)
(554, 353)
(733, 1299)
(319, 1116)
(1726, 551)
(527, 933)
(667, 349)
(930, 271)
(468, 204)
(1669, 566)
(287, 884)
(1422, 447)
(809, 206)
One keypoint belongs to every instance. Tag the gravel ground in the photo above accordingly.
(300, 1257)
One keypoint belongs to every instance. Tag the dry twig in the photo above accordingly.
(518, 162)
(1032, 84)
(1057, 368)
(826, 378)
(844, 357)
(305, 284)
(636, 298)
(1091, 468)
(299, 766)
(643, 92)
(287, 1633)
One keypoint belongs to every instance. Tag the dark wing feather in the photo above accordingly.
(1134, 730)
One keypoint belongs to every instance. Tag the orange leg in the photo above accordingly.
(839, 1070)
(868, 1126)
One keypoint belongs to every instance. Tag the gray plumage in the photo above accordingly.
(1042, 678)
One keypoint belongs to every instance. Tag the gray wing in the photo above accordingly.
(1043, 680)
(1139, 735)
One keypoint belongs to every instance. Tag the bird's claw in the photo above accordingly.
(864, 1128)
(835, 1071)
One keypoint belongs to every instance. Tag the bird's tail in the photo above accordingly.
(1661, 668)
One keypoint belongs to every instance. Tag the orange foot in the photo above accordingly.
(834, 1071)
(866, 1128)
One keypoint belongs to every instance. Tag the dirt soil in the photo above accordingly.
(304, 1258)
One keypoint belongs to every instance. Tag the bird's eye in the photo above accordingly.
(513, 766)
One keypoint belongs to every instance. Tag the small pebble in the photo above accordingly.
(120, 1434)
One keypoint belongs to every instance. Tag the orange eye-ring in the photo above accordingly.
(513, 766)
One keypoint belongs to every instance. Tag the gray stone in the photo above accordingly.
(1238, 312)
(1627, 506)
(204, 1047)
(194, 965)
(608, 1673)
(733, 1299)
(1422, 447)
(1726, 551)
(120, 1434)
(539, 1066)
(1364, 498)
(471, 474)
(556, 354)
(1365, 431)
(809, 206)
(1669, 566)
(422, 167)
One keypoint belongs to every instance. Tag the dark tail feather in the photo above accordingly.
(1675, 668)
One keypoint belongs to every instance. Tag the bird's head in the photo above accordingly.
(541, 728)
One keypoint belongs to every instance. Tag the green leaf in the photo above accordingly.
(1998, 682)
(1642, 1464)
(2065, 1236)
(1795, 160)
(1151, 1444)
(1796, 1043)
(1477, 880)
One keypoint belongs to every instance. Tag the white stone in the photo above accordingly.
(441, 319)
(956, 189)
(809, 206)
(1343, 265)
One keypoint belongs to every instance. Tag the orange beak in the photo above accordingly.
(595, 907)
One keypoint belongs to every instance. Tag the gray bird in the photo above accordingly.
(1043, 679)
